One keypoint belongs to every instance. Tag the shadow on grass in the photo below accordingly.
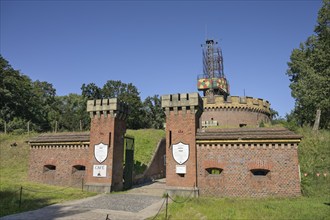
(13, 202)
(139, 167)
(11, 207)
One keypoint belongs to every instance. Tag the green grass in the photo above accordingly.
(238, 208)
(314, 158)
(146, 141)
(14, 175)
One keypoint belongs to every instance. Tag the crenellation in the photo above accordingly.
(238, 102)
(105, 107)
(182, 102)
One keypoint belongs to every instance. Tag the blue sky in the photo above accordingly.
(156, 45)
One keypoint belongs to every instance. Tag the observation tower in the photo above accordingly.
(220, 109)
(213, 80)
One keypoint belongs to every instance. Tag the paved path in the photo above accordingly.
(138, 203)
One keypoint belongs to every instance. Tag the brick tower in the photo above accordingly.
(182, 120)
(108, 127)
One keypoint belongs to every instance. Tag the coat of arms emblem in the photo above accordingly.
(101, 152)
(180, 152)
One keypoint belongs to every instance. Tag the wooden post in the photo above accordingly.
(317, 120)
(55, 126)
(5, 127)
(166, 205)
(82, 184)
(20, 197)
(80, 124)
(28, 127)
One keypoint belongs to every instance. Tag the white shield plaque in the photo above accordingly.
(101, 152)
(180, 152)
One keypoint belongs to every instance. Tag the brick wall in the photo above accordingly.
(233, 117)
(64, 158)
(236, 162)
(236, 111)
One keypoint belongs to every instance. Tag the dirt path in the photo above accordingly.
(138, 203)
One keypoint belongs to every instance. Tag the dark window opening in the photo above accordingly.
(259, 172)
(78, 168)
(214, 170)
(49, 167)
(242, 125)
(181, 174)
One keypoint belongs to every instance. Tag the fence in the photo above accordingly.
(21, 127)
(166, 200)
(33, 193)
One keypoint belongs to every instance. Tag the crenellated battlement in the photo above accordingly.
(183, 102)
(239, 102)
(112, 107)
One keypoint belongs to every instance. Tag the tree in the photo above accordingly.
(43, 102)
(155, 116)
(127, 93)
(72, 113)
(22, 100)
(91, 91)
(309, 72)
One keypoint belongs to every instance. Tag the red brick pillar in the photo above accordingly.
(106, 149)
(182, 120)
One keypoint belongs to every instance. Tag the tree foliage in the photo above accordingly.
(147, 114)
(23, 100)
(309, 72)
(155, 115)
(72, 113)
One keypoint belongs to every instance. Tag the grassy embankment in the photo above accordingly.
(14, 173)
(146, 141)
(314, 158)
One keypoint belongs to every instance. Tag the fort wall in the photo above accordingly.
(238, 162)
(235, 112)
(58, 164)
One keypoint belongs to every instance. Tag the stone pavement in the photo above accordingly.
(138, 203)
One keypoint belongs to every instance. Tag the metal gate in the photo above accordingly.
(129, 162)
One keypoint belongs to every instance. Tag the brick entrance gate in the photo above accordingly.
(226, 162)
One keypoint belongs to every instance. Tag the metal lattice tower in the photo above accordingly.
(213, 81)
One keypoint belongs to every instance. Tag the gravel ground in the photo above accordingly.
(121, 202)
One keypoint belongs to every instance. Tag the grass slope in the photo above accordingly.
(146, 141)
(14, 175)
(314, 159)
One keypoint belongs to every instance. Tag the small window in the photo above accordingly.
(242, 125)
(78, 168)
(49, 167)
(213, 170)
(259, 172)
